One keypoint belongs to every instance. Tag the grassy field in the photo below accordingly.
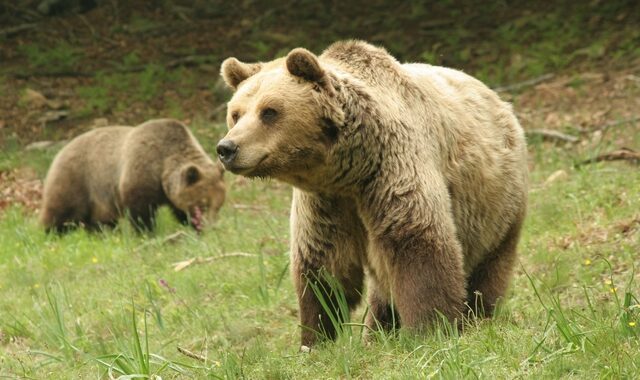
(105, 305)
(113, 305)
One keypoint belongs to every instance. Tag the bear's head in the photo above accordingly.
(283, 119)
(197, 189)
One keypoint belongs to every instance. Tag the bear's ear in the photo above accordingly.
(304, 64)
(191, 175)
(235, 72)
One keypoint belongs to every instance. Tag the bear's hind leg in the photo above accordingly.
(60, 221)
(382, 315)
(489, 280)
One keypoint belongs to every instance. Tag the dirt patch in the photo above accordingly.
(586, 105)
(20, 187)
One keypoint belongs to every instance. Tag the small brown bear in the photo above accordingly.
(108, 172)
(413, 174)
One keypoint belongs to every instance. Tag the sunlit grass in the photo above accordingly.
(111, 304)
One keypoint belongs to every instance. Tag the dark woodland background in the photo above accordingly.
(126, 61)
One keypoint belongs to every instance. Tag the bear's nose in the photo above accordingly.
(227, 151)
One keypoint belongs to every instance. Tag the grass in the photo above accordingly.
(499, 43)
(100, 305)
(111, 305)
(59, 58)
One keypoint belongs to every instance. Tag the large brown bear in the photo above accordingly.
(108, 172)
(414, 174)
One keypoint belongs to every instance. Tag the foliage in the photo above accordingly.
(59, 58)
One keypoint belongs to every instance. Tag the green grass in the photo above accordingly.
(99, 305)
(114, 92)
(59, 58)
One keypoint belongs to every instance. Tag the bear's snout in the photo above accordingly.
(227, 151)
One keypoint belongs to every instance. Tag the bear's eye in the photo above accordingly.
(268, 115)
(235, 116)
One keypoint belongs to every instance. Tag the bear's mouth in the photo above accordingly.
(196, 219)
(247, 171)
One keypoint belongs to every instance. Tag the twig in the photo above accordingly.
(526, 83)
(549, 134)
(190, 354)
(616, 123)
(168, 239)
(201, 260)
(33, 14)
(16, 29)
(86, 22)
(239, 206)
(625, 154)
(180, 11)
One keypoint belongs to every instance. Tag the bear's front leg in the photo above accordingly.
(140, 207)
(426, 280)
(416, 255)
(142, 217)
(382, 314)
(327, 237)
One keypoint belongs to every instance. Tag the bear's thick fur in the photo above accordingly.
(412, 173)
(108, 172)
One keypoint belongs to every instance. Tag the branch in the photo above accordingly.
(201, 260)
(190, 354)
(622, 154)
(549, 134)
(616, 123)
(526, 83)
(16, 29)
(239, 206)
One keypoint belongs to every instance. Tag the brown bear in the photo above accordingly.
(413, 174)
(108, 172)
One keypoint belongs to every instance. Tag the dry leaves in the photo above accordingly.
(583, 103)
(20, 187)
(594, 234)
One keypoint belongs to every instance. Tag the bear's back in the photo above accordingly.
(160, 138)
(92, 152)
(458, 125)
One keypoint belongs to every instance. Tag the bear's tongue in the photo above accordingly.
(196, 219)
